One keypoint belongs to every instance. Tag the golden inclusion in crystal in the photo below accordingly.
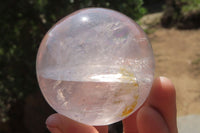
(130, 76)
(129, 109)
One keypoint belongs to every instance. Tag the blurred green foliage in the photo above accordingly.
(23, 25)
(183, 14)
(190, 6)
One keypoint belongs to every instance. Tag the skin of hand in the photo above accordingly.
(157, 115)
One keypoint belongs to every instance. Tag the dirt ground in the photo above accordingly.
(177, 53)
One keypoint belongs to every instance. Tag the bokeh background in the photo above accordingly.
(172, 27)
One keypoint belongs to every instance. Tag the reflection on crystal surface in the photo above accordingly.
(95, 66)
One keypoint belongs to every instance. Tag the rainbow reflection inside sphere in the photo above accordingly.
(95, 66)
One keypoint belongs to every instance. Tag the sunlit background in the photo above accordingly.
(171, 25)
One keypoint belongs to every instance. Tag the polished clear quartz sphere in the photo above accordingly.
(95, 66)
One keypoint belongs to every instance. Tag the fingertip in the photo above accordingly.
(163, 89)
(53, 120)
(166, 84)
(162, 80)
(52, 123)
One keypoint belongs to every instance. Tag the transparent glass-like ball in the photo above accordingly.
(95, 66)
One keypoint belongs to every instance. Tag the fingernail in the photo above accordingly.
(162, 78)
(166, 81)
(54, 130)
(53, 121)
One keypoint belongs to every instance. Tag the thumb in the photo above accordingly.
(57, 123)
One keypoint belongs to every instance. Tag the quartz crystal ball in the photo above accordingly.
(95, 66)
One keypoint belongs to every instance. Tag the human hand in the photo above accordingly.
(157, 115)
